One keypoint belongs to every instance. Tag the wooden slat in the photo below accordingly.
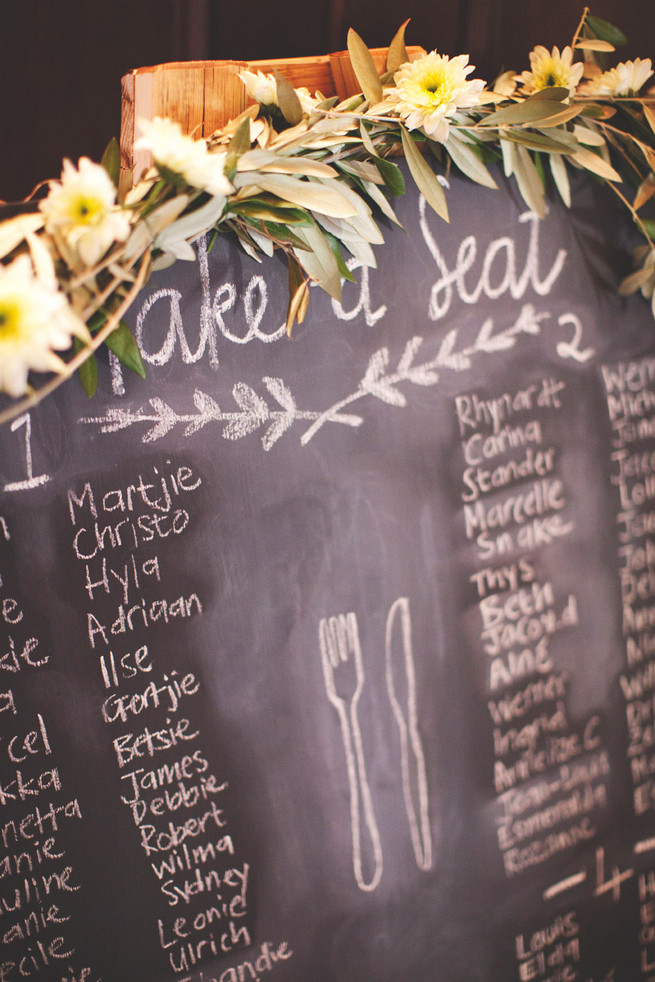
(225, 96)
(203, 95)
(314, 73)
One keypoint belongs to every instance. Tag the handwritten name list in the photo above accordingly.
(168, 783)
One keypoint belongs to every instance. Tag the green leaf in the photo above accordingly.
(424, 176)
(111, 160)
(318, 260)
(283, 234)
(604, 30)
(88, 370)
(529, 182)
(397, 53)
(468, 162)
(536, 142)
(364, 68)
(392, 174)
(568, 113)
(649, 225)
(338, 255)
(326, 198)
(298, 295)
(269, 210)
(552, 93)
(377, 196)
(121, 342)
(287, 99)
(240, 142)
(596, 164)
(594, 111)
(531, 111)
(561, 178)
(328, 103)
(366, 140)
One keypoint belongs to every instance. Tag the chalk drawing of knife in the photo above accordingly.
(341, 657)
(411, 748)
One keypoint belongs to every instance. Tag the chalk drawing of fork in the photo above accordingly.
(342, 665)
(410, 740)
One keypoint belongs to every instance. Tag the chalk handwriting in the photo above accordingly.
(263, 960)
(364, 301)
(498, 252)
(212, 320)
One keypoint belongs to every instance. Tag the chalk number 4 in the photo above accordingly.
(31, 480)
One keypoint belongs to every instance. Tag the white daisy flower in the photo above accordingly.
(626, 79)
(82, 208)
(262, 88)
(35, 321)
(430, 91)
(181, 154)
(550, 69)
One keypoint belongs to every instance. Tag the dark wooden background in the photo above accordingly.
(61, 60)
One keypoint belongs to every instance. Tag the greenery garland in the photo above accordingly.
(304, 175)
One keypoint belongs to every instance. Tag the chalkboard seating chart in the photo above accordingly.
(333, 657)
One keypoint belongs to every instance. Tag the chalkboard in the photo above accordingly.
(332, 658)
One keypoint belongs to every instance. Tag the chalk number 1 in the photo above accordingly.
(31, 480)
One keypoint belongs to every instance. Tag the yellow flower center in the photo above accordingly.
(550, 74)
(85, 210)
(435, 87)
(10, 320)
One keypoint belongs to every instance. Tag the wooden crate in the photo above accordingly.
(203, 95)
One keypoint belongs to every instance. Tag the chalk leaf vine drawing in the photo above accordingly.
(380, 381)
